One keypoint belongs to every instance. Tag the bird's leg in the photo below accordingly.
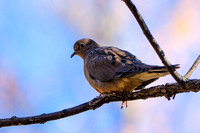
(123, 104)
(126, 103)
(125, 97)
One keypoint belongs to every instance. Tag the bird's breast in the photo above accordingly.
(115, 85)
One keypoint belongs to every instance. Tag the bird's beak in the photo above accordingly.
(73, 54)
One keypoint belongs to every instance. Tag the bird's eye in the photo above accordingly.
(82, 45)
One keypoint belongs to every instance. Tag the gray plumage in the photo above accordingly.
(110, 69)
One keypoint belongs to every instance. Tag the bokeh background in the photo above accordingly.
(38, 76)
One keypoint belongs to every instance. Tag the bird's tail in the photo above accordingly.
(162, 69)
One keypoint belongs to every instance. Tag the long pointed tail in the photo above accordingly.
(161, 69)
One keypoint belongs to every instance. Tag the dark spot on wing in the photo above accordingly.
(92, 77)
(113, 60)
(113, 63)
(144, 69)
(140, 69)
(123, 61)
(135, 68)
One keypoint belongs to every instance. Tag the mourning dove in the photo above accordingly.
(110, 69)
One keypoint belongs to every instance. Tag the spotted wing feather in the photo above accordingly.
(108, 63)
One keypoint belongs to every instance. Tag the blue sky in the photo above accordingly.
(36, 48)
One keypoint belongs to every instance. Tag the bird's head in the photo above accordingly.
(83, 47)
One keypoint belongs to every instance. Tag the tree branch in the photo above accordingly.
(193, 67)
(157, 91)
(153, 42)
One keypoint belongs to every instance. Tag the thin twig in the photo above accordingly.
(153, 42)
(153, 92)
(193, 67)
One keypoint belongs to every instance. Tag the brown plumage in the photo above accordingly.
(110, 69)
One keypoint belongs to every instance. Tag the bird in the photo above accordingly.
(110, 70)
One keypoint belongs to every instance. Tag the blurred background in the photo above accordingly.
(38, 76)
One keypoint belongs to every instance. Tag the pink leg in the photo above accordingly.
(123, 104)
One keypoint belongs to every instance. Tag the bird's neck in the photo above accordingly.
(87, 51)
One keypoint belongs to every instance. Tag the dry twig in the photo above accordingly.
(153, 42)
(193, 67)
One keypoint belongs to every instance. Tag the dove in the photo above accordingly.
(112, 70)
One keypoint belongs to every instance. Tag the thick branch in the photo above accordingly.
(153, 42)
(157, 91)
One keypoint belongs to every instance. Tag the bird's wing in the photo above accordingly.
(107, 63)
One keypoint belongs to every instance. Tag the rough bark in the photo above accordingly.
(166, 90)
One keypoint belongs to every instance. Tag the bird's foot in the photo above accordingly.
(123, 95)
